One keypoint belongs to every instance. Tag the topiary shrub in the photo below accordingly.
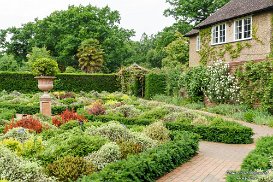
(14, 168)
(70, 168)
(45, 67)
(157, 131)
(108, 153)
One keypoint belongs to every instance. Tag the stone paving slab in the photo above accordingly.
(215, 159)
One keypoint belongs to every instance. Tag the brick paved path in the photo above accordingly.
(215, 159)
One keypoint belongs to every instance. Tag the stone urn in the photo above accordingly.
(45, 84)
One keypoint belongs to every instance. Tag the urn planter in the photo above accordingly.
(45, 84)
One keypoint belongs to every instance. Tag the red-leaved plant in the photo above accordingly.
(96, 109)
(28, 123)
(67, 116)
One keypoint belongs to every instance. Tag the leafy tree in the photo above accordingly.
(8, 63)
(38, 53)
(90, 55)
(63, 31)
(177, 51)
(193, 11)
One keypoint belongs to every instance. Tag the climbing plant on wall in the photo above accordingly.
(233, 50)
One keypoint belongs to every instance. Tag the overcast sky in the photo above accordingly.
(140, 15)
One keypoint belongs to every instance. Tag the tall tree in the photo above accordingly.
(193, 11)
(90, 55)
(63, 31)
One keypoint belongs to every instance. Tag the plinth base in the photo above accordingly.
(45, 104)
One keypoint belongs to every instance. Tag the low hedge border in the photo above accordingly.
(24, 109)
(125, 121)
(26, 83)
(257, 162)
(152, 164)
(224, 134)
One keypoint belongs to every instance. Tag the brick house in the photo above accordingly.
(240, 31)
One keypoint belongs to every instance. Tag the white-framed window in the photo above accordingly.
(243, 29)
(198, 43)
(219, 34)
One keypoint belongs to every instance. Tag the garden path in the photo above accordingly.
(215, 159)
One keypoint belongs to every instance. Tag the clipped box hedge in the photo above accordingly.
(152, 164)
(155, 84)
(24, 109)
(226, 134)
(125, 121)
(26, 83)
(256, 163)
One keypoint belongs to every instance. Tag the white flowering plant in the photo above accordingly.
(222, 87)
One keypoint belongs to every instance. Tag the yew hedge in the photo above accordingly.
(26, 83)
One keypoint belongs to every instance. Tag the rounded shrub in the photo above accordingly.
(45, 67)
(157, 131)
(108, 153)
(70, 168)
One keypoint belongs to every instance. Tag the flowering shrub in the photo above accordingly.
(96, 109)
(28, 123)
(65, 117)
(108, 153)
(70, 168)
(221, 87)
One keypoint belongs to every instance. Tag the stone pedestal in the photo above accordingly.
(45, 83)
(45, 104)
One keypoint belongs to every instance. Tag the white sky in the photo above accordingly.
(140, 15)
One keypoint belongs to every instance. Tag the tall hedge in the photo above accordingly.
(155, 84)
(25, 82)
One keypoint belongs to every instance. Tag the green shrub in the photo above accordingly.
(70, 168)
(260, 157)
(127, 111)
(157, 131)
(129, 147)
(72, 144)
(152, 164)
(194, 83)
(34, 109)
(108, 153)
(225, 132)
(7, 114)
(125, 121)
(14, 168)
(154, 84)
(249, 116)
(20, 134)
(45, 67)
(112, 130)
(256, 84)
(154, 114)
(25, 82)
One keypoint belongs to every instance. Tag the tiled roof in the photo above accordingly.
(237, 8)
(192, 32)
